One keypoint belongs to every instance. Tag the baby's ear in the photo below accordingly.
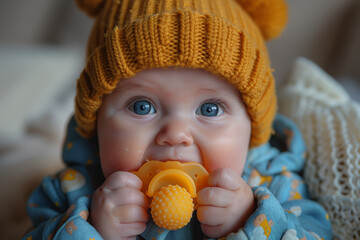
(90, 7)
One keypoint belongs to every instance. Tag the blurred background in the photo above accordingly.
(42, 49)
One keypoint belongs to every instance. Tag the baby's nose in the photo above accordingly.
(175, 131)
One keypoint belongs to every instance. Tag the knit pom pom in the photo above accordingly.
(270, 15)
(90, 7)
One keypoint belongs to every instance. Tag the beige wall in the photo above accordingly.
(316, 30)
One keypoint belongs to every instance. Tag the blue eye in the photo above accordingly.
(142, 107)
(209, 110)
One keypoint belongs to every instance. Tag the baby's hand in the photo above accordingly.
(119, 208)
(225, 205)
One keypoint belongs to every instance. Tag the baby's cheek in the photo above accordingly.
(226, 156)
(120, 158)
(131, 158)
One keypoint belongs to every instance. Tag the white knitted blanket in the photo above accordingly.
(330, 123)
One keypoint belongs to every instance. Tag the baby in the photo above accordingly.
(186, 81)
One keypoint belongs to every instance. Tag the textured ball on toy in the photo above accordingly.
(172, 207)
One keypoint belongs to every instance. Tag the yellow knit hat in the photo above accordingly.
(224, 37)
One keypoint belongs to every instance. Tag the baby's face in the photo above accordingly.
(173, 114)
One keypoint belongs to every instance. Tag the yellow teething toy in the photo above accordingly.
(172, 186)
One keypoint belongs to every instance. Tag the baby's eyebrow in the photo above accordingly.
(207, 90)
(121, 87)
(215, 92)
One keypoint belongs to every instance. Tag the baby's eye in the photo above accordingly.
(142, 107)
(209, 110)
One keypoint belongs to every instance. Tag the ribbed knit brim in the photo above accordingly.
(214, 35)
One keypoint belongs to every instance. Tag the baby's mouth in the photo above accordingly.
(169, 159)
(166, 160)
(176, 153)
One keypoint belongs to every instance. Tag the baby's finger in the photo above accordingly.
(217, 232)
(122, 179)
(205, 215)
(225, 178)
(130, 214)
(111, 228)
(215, 196)
(128, 195)
(131, 229)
